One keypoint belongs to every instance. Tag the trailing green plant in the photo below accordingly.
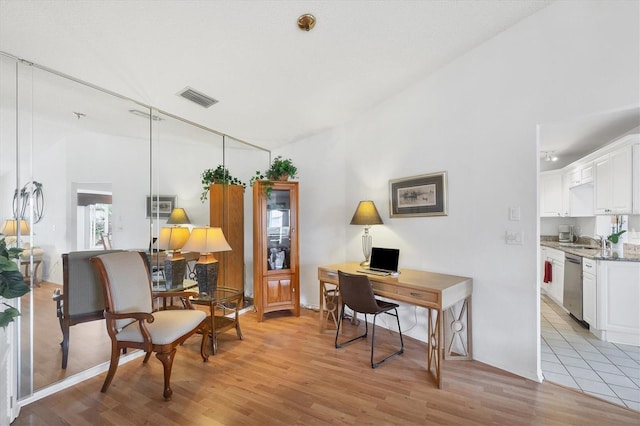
(280, 169)
(615, 237)
(12, 283)
(219, 175)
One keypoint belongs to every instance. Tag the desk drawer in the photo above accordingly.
(422, 295)
(385, 288)
(328, 276)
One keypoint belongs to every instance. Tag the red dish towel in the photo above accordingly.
(547, 272)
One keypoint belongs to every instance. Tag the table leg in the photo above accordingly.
(239, 303)
(214, 340)
(457, 331)
(434, 344)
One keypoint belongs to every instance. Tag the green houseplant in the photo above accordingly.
(12, 283)
(615, 237)
(280, 169)
(219, 175)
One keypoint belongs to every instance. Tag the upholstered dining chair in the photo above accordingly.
(356, 293)
(130, 320)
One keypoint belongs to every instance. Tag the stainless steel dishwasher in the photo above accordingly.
(572, 297)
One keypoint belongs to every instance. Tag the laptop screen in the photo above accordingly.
(384, 258)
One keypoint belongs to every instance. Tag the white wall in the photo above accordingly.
(476, 118)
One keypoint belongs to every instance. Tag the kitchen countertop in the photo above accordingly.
(591, 252)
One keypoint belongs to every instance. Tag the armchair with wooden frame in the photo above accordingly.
(81, 299)
(131, 321)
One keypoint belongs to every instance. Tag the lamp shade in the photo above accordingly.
(178, 216)
(207, 240)
(366, 214)
(173, 238)
(10, 227)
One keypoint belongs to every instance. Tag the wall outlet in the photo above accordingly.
(514, 237)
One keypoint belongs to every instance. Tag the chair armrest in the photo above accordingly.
(184, 295)
(138, 316)
(142, 318)
(57, 295)
(166, 294)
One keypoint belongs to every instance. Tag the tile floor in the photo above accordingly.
(573, 357)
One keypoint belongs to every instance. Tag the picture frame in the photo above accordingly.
(161, 205)
(417, 196)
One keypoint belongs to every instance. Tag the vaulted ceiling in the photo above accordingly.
(275, 83)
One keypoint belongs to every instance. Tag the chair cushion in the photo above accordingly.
(167, 326)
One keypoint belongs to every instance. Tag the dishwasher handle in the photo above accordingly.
(573, 259)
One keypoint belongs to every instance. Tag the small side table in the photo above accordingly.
(27, 264)
(222, 302)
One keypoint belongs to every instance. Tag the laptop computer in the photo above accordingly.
(384, 261)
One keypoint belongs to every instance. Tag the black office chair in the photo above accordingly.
(357, 294)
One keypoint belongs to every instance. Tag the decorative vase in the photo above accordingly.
(617, 249)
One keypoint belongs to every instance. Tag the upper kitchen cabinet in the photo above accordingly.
(551, 195)
(580, 175)
(614, 182)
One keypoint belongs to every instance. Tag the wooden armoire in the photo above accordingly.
(276, 275)
(226, 211)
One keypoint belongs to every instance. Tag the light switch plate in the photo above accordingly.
(514, 213)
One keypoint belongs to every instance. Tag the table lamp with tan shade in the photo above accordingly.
(12, 227)
(172, 239)
(366, 214)
(207, 241)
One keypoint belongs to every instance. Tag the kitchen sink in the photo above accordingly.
(576, 246)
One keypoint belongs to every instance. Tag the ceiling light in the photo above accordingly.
(79, 115)
(549, 156)
(306, 22)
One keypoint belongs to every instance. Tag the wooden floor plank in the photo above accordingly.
(285, 372)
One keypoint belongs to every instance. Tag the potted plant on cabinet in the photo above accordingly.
(280, 169)
(219, 175)
(12, 283)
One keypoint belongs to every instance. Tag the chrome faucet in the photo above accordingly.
(603, 244)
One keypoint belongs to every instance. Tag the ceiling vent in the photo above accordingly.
(197, 97)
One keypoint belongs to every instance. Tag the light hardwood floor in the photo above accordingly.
(285, 372)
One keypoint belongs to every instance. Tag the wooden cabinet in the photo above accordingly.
(276, 285)
(613, 182)
(226, 211)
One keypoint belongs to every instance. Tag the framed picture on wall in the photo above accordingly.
(415, 196)
(161, 206)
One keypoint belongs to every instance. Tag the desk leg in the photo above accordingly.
(457, 331)
(322, 306)
(434, 351)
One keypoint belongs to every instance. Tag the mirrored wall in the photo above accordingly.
(85, 167)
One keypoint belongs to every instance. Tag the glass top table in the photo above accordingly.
(224, 304)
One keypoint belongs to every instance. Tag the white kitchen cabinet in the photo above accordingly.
(618, 301)
(551, 199)
(555, 288)
(580, 175)
(613, 182)
(589, 292)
